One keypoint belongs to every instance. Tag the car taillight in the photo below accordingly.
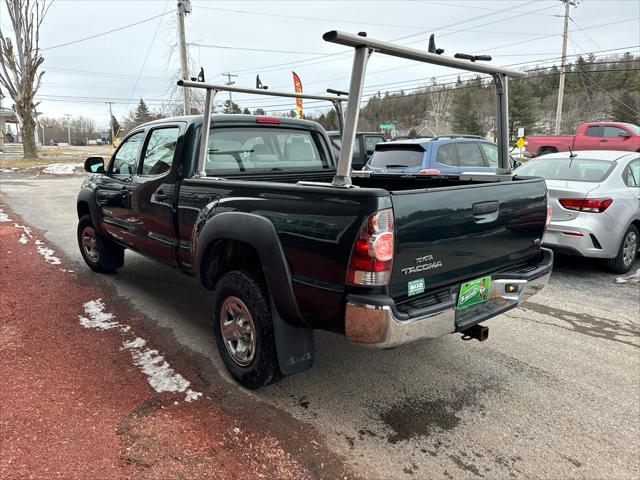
(372, 255)
(548, 220)
(592, 205)
(267, 120)
(429, 171)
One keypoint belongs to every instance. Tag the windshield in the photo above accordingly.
(571, 169)
(264, 149)
(396, 156)
(634, 128)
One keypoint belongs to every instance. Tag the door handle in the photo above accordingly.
(482, 208)
(160, 196)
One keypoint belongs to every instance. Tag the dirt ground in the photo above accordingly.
(80, 401)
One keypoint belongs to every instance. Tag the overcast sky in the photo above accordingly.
(142, 61)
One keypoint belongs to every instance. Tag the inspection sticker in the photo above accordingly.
(415, 286)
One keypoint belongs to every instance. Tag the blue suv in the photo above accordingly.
(446, 154)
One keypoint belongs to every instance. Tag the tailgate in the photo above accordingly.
(447, 235)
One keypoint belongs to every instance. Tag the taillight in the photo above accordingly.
(267, 120)
(372, 254)
(592, 205)
(548, 220)
(429, 171)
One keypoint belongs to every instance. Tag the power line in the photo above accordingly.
(73, 42)
(226, 47)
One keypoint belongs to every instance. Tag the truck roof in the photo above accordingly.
(238, 119)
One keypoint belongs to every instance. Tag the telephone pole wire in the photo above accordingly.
(184, 7)
(229, 82)
(563, 65)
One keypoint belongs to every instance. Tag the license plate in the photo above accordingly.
(474, 292)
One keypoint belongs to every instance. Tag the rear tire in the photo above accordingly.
(627, 252)
(244, 329)
(100, 254)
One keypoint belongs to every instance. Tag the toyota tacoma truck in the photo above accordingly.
(256, 208)
(589, 136)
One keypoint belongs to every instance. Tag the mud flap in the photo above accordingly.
(295, 345)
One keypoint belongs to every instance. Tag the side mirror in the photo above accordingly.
(624, 135)
(94, 165)
(369, 153)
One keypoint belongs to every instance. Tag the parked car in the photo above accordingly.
(445, 154)
(286, 252)
(590, 136)
(363, 148)
(595, 204)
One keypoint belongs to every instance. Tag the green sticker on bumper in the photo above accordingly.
(473, 292)
(415, 287)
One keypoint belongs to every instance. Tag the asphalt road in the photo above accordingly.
(554, 392)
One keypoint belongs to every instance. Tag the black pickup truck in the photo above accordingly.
(391, 260)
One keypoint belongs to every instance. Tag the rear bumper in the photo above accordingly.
(376, 322)
(589, 235)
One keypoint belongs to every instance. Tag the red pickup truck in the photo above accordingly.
(590, 136)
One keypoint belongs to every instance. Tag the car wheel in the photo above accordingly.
(100, 254)
(627, 252)
(244, 329)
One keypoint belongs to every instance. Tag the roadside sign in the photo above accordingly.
(521, 132)
(520, 143)
(387, 126)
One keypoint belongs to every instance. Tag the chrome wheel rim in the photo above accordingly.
(238, 331)
(89, 244)
(629, 248)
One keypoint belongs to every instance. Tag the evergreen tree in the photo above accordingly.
(626, 109)
(115, 126)
(231, 107)
(246, 111)
(465, 116)
(522, 112)
(142, 114)
(259, 111)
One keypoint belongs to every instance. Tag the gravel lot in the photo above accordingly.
(554, 393)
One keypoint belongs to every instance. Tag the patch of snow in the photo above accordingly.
(61, 168)
(48, 254)
(631, 278)
(66, 270)
(26, 232)
(7, 170)
(3, 216)
(24, 240)
(97, 317)
(160, 375)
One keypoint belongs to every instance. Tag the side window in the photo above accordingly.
(631, 175)
(124, 161)
(370, 143)
(490, 153)
(469, 155)
(447, 154)
(594, 131)
(158, 155)
(613, 132)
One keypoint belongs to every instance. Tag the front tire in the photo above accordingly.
(244, 329)
(627, 252)
(100, 254)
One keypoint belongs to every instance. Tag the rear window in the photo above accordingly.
(575, 170)
(396, 156)
(263, 149)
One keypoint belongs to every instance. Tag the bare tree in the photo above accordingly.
(440, 100)
(20, 60)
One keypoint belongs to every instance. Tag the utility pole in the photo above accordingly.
(113, 135)
(68, 118)
(229, 82)
(563, 65)
(184, 7)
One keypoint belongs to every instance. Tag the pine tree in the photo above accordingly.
(142, 114)
(626, 109)
(259, 111)
(522, 112)
(231, 107)
(246, 111)
(465, 116)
